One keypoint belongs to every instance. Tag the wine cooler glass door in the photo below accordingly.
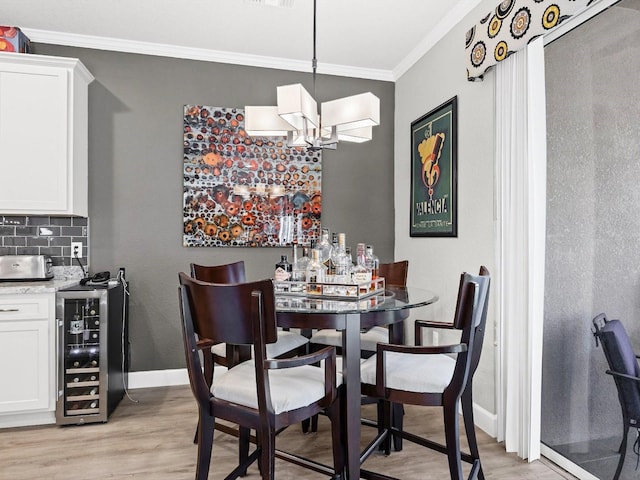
(82, 357)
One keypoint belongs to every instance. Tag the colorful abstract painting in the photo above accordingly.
(242, 191)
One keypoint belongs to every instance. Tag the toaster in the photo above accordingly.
(17, 268)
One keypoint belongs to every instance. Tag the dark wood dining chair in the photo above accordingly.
(262, 394)
(467, 394)
(625, 370)
(430, 376)
(289, 343)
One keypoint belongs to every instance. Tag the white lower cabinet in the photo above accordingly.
(27, 359)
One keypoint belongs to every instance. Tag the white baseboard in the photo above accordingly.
(158, 378)
(485, 420)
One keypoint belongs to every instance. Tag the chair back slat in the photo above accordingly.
(197, 381)
(463, 317)
(222, 312)
(471, 320)
(395, 273)
(480, 322)
(458, 319)
(621, 358)
(227, 273)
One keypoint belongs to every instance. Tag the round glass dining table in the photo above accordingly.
(350, 316)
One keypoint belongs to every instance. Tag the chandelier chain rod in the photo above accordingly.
(314, 61)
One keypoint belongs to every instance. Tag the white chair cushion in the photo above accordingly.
(219, 349)
(327, 336)
(291, 388)
(412, 372)
(368, 340)
(287, 341)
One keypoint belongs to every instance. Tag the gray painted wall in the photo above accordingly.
(593, 228)
(436, 263)
(135, 178)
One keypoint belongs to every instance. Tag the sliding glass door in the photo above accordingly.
(593, 232)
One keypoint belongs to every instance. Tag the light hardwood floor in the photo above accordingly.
(152, 439)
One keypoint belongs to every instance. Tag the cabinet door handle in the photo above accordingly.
(2, 310)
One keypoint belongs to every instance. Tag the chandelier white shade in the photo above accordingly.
(264, 121)
(297, 107)
(356, 135)
(296, 116)
(353, 112)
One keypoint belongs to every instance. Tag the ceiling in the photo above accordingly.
(378, 39)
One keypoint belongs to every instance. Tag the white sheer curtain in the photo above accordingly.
(521, 179)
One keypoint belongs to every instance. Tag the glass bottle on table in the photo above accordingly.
(343, 266)
(348, 250)
(300, 266)
(283, 269)
(282, 274)
(372, 262)
(350, 257)
(316, 273)
(360, 253)
(361, 274)
(299, 269)
(333, 256)
(294, 261)
(324, 253)
(324, 247)
(294, 251)
(342, 260)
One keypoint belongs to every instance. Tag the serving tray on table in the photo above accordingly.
(353, 291)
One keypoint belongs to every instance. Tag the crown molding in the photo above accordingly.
(455, 16)
(206, 55)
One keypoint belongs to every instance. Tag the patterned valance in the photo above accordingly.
(512, 25)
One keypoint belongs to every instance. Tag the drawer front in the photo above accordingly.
(24, 307)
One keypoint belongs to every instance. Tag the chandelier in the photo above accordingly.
(296, 116)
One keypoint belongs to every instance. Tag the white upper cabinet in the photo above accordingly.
(43, 135)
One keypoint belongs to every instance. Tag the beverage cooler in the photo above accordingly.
(92, 352)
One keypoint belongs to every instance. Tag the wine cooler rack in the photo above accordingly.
(90, 375)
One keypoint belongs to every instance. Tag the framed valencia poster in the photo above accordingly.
(434, 178)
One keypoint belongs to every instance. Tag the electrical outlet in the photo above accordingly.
(76, 249)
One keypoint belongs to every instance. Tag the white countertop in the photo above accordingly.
(46, 286)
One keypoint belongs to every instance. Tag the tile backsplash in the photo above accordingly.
(44, 235)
